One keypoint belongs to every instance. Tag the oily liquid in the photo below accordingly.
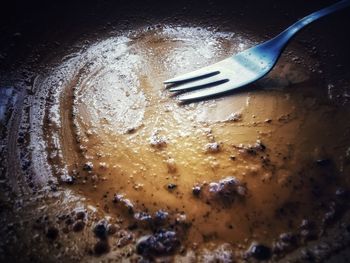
(116, 114)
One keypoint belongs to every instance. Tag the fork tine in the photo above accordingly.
(216, 79)
(199, 73)
(207, 92)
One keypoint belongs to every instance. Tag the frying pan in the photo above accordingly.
(35, 34)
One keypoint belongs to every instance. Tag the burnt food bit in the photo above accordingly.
(196, 190)
(101, 247)
(88, 166)
(100, 229)
(159, 244)
(225, 191)
(143, 219)
(52, 233)
(252, 149)
(160, 217)
(81, 214)
(124, 203)
(78, 226)
(259, 252)
(171, 186)
(65, 178)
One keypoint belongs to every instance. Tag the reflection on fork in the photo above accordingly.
(243, 68)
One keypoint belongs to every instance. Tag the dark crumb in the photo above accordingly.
(20, 140)
(196, 190)
(159, 244)
(324, 162)
(171, 186)
(68, 179)
(224, 192)
(125, 203)
(101, 247)
(78, 226)
(143, 219)
(130, 130)
(88, 166)
(100, 229)
(260, 252)
(259, 146)
(252, 149)
(80, 215)
(53, 187)
(160, 217)
(125, 240)
(52, 233)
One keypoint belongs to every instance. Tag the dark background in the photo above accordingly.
(34, 32)
(25, 25)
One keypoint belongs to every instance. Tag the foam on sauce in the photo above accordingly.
(118, 131)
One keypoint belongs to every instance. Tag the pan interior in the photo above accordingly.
(118, 133)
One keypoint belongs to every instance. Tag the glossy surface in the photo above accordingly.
(46, 215)
(245, 67)
(135, 141)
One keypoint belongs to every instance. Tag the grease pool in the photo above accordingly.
(113, 128)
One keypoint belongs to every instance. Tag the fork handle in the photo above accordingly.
(287, 34)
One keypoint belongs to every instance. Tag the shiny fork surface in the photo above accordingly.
(243, 68)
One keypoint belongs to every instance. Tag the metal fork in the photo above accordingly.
(244, 67)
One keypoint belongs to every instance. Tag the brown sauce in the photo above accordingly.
(113, 129)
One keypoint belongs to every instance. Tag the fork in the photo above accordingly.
(243, 68)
